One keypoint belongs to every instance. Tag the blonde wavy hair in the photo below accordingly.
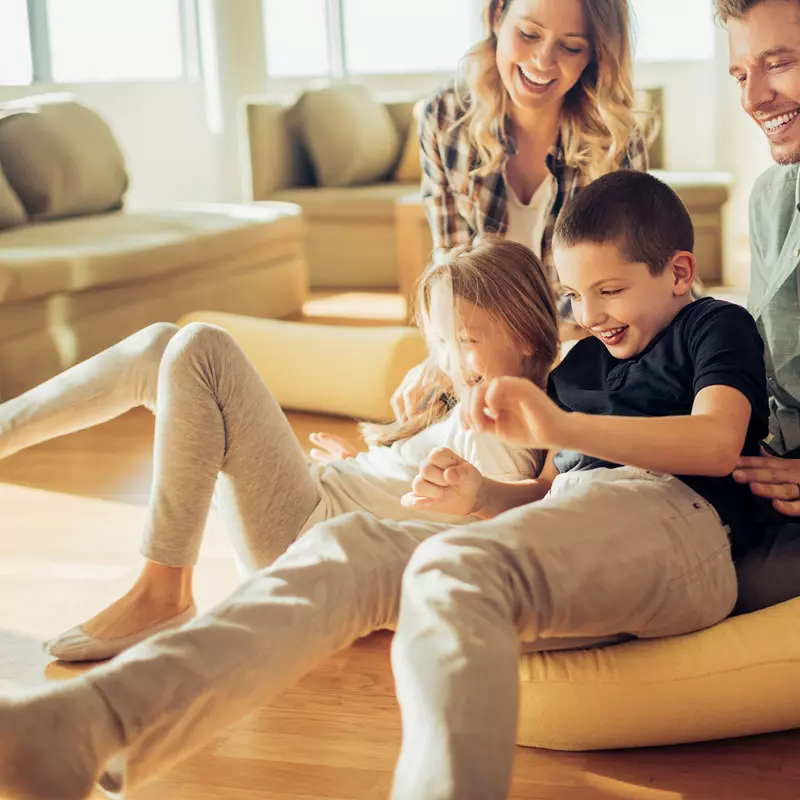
(508, 281)
(597, 121)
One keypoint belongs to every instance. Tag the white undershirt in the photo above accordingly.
(526, 223)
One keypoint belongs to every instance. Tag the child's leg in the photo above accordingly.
(217, 425)
(170, 695)
(94, 391)
(643, 555)
(214, 417)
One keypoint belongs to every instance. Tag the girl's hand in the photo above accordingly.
(331, 448)
(446, 484)
(420, 387)
(517, 411)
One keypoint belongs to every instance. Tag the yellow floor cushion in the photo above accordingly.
(328, 369)
(738, 678)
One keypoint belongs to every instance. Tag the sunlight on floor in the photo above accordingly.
(64, 557)
(384, 306)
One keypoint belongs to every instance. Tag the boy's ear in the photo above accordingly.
(683, 267)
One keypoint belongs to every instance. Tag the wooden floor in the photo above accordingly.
(70, 516)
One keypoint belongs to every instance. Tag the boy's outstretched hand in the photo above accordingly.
(446, 484)
(515, 410)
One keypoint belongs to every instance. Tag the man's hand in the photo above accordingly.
(331, 448)
(515, 410)
(775, 478)
(446, 484)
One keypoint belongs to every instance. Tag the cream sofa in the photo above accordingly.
(352, 237)
(78, 272)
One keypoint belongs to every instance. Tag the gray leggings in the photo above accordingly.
(217, 427)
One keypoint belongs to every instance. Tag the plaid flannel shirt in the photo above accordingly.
(459, 205)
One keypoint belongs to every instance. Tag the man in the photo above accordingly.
(764, 38)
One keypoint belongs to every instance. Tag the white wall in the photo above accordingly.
(689, 124)
(161, 127)
(234, 66)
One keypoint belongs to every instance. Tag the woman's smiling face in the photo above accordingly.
(543, 47)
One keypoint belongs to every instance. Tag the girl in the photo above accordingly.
(487, 312)
(543, 106)
(217, 425)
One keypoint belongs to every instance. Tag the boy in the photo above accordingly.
(665, 385)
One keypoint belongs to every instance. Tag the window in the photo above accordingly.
(674, 30)
(296, 35)
(73, 41)
(307, 38)
(16, 66)
(407, 37)
(115, 40)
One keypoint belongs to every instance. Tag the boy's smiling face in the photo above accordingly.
(619, 302)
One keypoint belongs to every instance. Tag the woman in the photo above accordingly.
(543, 107)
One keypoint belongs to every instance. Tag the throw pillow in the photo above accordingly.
(60, 157)
(348, 134)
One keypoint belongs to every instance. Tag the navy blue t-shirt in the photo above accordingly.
(708, 343)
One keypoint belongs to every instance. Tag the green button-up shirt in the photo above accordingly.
(774, 298)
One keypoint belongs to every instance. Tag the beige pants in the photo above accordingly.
(608, 552)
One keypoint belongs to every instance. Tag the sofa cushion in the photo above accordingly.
(12, 212)
(349, 135)
(117, 248)
(60, 157)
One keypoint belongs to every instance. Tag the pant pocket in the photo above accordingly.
(703, 596)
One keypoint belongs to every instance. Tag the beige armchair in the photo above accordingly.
(351, 239)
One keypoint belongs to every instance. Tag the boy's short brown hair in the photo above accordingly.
(637, 213)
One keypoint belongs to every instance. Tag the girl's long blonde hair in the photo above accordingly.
(597, 120)
(505, 279)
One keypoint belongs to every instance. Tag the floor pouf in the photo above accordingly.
(739, 678)
(328, 369)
